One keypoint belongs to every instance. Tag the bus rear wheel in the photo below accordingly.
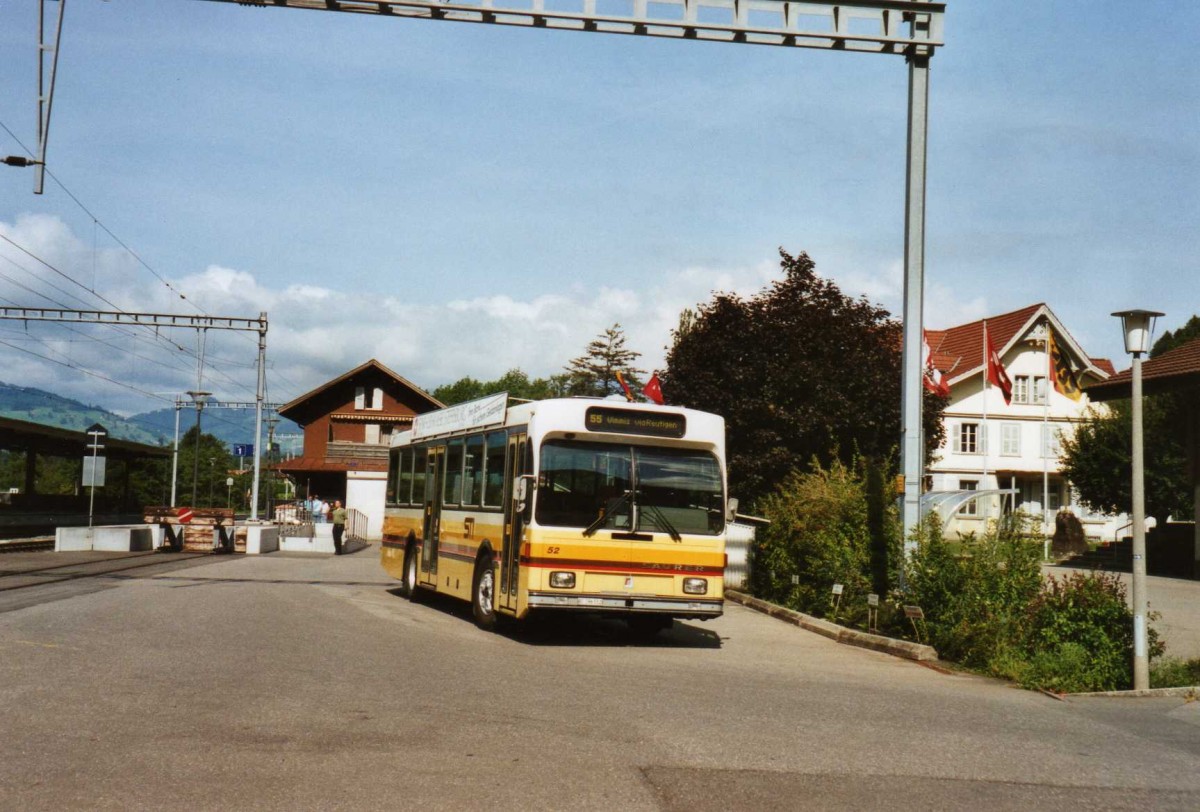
(483, 603)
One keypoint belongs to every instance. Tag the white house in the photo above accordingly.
(991, 445)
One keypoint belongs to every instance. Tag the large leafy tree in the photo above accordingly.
(1097, 458)
(215, 465)
(595, 372)
(516, 382)
(801, 372)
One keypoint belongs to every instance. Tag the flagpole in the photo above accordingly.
(984, 448)
(1046, 436)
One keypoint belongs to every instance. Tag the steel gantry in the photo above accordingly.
(216, 404)
(161, 320)
(873, 26)
(909, 28)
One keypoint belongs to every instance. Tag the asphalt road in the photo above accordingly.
(282, 682)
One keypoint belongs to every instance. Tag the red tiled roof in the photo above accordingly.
(960, 349)
(1104, 364)
(1176, 369)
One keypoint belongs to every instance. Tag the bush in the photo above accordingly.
(1086, 611)
(1172, 672)
(820, 534)
(975, 603)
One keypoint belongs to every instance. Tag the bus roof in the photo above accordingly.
(581, 414)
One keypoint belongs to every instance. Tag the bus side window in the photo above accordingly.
(394, 464)
(497, 446)
(452, 493)
(404, 480)
(418, 483)
(473, 471)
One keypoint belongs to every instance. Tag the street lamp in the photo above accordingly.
(1138, 325)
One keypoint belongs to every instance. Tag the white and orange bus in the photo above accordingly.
(571, 504)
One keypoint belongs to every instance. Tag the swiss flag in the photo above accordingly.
(653, 389)
(933, 379)
(996, 373)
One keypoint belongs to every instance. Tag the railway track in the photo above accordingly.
(24, 577)
(29, 545)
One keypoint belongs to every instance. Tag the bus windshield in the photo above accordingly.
(667, 489)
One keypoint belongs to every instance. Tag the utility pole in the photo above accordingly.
(163, 320)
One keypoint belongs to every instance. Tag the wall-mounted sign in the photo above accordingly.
(628, 421)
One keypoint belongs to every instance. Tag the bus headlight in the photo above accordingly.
(695, 586)
(562, 580)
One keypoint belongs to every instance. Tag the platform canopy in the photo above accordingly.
(21, 435)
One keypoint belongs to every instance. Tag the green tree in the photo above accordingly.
(216, 463)
(516, 382)
(801, 372)
(595, 372)
(1098, 456)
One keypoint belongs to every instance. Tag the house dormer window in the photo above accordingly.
(368, 398)
(1029, 390)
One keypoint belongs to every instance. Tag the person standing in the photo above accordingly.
(339, 525)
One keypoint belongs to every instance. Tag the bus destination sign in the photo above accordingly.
(626, 421)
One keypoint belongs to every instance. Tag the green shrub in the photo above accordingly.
(974, 602)
(1172, 672)
(820, 534)
(1069, 668)
(1087, 610)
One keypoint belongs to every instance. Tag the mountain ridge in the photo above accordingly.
(157, 427)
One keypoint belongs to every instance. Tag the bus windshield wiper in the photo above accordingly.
(662, 521)
(612, 507)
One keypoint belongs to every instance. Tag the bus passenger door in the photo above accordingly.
(514, 523)
(434, 469)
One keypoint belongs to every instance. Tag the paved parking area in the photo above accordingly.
(301, 682)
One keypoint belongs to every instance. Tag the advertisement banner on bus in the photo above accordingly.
(487, 411)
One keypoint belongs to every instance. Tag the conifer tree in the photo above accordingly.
(595, 372)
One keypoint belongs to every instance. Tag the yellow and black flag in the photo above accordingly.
(1065, 380)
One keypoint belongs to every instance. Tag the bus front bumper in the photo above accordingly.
(676, 607)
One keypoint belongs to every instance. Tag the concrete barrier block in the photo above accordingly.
(71, 539)
(261, 538)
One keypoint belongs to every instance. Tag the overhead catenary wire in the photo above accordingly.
(132, 333)
(98, 223)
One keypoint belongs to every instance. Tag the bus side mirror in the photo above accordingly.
(521, 491)
(731, 509)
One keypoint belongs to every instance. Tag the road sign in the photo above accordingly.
(93, 472)
(243, 450)
(97, 434)
(185, 515)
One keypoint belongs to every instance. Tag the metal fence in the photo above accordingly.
(356, 525)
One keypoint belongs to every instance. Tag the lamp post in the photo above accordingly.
(1138, 325)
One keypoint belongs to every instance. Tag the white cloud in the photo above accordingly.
(317, 333)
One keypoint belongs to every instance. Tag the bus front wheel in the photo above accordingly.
(410, 573)
(483, 603)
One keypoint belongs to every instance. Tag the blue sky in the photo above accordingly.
(459, 199)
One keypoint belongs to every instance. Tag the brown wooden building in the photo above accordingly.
(348, 425)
